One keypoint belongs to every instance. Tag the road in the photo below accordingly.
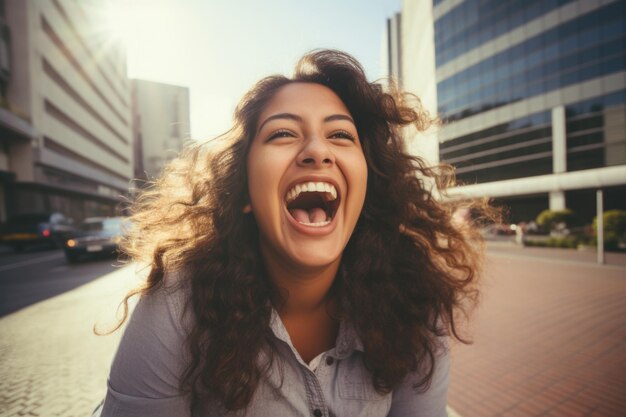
(549, 337)
(33, 276)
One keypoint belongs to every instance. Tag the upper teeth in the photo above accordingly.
(309, 187)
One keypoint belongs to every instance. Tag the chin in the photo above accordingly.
(314, 256)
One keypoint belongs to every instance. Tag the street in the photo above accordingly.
(35, 275)
(549, 337)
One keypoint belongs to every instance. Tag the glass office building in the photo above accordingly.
(533, 98)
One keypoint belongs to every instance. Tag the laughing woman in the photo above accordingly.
(300, 266)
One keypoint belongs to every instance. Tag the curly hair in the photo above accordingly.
(407, 271)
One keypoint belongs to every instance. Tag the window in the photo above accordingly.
(543, 63)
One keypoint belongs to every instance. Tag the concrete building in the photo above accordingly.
(533, 97)
(412, 66)
(391, 48)
(160, 125)
(65, 120)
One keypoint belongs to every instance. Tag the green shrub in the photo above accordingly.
(549, 219)
(614, 228)
(562, 242)
(568, 242)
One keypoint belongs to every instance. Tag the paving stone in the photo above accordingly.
(550, 333)
(51, 362)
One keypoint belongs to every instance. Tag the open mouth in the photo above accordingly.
(312, 203)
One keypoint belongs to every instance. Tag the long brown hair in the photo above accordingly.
(406, 272)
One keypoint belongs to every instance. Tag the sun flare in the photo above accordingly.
(119, 19)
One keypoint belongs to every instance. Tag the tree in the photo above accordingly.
(614, 228)
(551, 219)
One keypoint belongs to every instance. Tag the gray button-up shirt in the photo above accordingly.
(145, 375)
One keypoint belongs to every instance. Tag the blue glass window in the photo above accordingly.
(474, 22)
(580, 50)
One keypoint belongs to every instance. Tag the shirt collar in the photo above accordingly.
(347, 341)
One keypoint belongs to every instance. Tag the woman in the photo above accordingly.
(301, 267)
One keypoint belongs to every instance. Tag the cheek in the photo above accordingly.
(256, 178)
(264, 174)
(359, 174)
(355, 171)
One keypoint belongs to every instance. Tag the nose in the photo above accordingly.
(316, 153)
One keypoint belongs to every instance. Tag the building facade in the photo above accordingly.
(413, 25)
(533, 98)
(391, 48)
(65, 115)
(160, 125)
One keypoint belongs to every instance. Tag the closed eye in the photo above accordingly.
(281, 133)
(342, 134)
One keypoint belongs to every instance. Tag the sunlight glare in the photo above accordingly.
(119, 20)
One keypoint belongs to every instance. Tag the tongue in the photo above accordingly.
(314, 215)
(317, 215)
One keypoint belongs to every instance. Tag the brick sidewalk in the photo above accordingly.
(550, 340)
(51, 364)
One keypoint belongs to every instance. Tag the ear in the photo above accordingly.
(247, 209)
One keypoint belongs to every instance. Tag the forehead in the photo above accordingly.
(305, 99)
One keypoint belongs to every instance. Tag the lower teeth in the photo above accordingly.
(318, 224)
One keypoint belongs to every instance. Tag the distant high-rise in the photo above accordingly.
(65, 121)
(160, 126)
(533, 97)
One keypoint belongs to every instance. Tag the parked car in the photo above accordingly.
(50, 229)
(95, 236)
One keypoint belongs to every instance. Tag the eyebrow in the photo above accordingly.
(291, 116)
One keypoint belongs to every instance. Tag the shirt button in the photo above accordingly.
(329, 360)
(317, 412)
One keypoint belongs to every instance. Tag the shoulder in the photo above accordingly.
(168, 300)
(152, 355)
(162, 312)
(428, 401)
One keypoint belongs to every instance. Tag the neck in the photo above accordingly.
(302, 290)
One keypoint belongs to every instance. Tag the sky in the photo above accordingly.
(220, 48)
